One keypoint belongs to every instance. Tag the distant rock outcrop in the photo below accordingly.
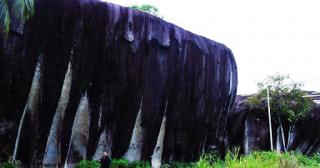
(248, 128)
(85, 76)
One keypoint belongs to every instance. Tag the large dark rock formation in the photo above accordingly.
(248, 128)
(84, 76)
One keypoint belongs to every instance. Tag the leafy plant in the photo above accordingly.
(232, 157)
(10, 163)
(139, 164)
(178, 165)
(23, 9)
(88, 164)
(119, 163)
(306, 161)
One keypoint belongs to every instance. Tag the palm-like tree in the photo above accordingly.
(23, 9)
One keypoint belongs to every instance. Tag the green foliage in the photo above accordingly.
(286, 99)
(313, 161)
(23, 9)
(232, 157)
(88, 164)
(116, 163)
(210, 160)
(139, 164)
(4, 16)
(148, 9)
(123, 163)
(10, 164)
(259, 159)
(119, 163)
(178, 165)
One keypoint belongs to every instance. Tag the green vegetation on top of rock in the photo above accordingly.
(148, 9)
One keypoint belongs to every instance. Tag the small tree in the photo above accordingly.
(286, 100)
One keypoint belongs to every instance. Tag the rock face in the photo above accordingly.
(249, 129)
(85, 76)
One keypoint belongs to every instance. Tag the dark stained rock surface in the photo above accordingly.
(74, 80)
(249, 129)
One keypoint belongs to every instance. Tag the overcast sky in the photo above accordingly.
(266, 36)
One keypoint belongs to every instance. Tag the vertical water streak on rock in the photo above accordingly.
(246, 142)
(279, 140)
(278, 146)
(134, 151)
(80, 134)
(52, 152)
(105, 143)
(291, 137)
(312, 146)
(203, 148)
(101, 145)
(302, 146)
(157, 152)
(32, 105)
(109, 141)
(283, 138)
(100, 116)
(230, 84)
(317, 148)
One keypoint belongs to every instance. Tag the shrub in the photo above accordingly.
(119, 163)
(178, 165)
(305, 161)
(206, 161)
(139, 164)
(88, 164)
(288, 162)
(10, 164)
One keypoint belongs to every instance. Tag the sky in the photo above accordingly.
(265, 36)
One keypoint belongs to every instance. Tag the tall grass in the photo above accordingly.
(233, 159)
(260, 159)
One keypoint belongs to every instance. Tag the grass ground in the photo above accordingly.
(257, 159)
